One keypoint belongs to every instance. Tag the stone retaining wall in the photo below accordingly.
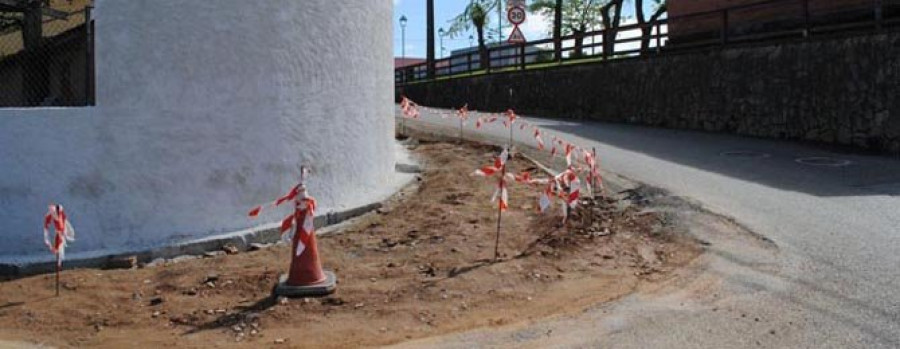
(839, 90)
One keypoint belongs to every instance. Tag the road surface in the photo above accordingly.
(833, 283)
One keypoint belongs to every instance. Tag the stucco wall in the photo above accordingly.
(839, 90)
(205, 109)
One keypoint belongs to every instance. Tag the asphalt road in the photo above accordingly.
(834, 281)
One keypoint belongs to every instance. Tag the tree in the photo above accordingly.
(611, 22)
(474, 16)
(578, 17)
(647, 25)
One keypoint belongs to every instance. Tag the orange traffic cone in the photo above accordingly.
(306, 277)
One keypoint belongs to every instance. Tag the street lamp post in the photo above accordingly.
(403, 37)
(403, 73)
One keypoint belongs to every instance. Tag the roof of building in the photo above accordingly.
(405, 62)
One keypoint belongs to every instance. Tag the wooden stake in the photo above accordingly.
(460, 130)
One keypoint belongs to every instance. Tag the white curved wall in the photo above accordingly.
(205, 109)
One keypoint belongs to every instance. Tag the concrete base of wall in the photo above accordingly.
(242, 241)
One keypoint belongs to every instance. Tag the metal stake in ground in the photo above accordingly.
(63, 233)
(498, 167)
(500, 207)
(594, 171)
(463, 115)
(58, 267)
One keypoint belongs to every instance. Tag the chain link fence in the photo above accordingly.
(46, 53)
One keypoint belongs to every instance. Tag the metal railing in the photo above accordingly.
(46, 55)
(764, 21)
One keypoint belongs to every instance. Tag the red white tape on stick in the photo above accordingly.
(498, 167)
(63, 231)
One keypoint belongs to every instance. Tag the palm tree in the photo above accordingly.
(474, 16)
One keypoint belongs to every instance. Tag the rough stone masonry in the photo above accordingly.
(838, 90)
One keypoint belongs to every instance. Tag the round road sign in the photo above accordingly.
(516, 15)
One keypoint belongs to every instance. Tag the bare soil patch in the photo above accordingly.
(421, 266)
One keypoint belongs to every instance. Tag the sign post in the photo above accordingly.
(516, 15)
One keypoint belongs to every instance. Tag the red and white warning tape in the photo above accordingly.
(566, 185)
(304, 212)
(64, 233)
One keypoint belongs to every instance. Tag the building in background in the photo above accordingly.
(405, 62)
(697, 20)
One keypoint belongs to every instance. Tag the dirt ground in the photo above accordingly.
(419, 267)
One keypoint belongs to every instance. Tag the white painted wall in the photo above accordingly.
(205, 109)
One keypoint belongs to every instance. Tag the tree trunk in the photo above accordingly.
(484, 61)
(557, 31)
(430, 38)
(611, 27)
(579, 43)
(607, 24)
(641, 21)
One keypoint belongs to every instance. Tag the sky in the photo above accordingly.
(535, 27)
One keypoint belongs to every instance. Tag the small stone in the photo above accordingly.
(254, 332)
(211, 277)
(236, 328)
(230, 249)
(333, 301)
(211, 284)
(155, 314)
(282, 300)
(156, 301)
(373, 279)
(211, 254)
(280, 341)
(359, 305)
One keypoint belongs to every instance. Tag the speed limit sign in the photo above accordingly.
(516, 15)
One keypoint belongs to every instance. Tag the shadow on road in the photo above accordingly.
(773, 163)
